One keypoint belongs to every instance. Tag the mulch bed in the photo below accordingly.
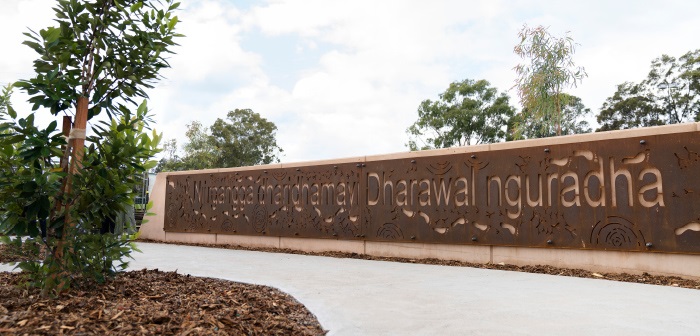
(644, 278)
(150, 302)
(10, 254)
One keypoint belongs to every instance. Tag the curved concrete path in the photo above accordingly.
(360, 297)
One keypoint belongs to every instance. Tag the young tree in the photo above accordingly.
(542, 79)
(101, 56)
(468, 113)
(670, 94)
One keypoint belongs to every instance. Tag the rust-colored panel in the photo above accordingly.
(319, 201)
(634, 194)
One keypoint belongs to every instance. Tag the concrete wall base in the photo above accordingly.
(683, 265)
(473, 254)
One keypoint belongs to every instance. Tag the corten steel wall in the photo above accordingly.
(631, 194)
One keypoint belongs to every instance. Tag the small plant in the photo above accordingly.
(65, 193)
(37, 206)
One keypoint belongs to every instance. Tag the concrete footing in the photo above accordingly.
(683, 265)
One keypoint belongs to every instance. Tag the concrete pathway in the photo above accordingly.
(7, 268)
(360, 297)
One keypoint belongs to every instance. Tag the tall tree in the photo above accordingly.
(199, 152)
(468, 113)
(573, 121)
(541, 81)
(631, 106)
(670, 94)
(101, 56)
(244, 139)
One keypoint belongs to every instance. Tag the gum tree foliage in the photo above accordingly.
(199, 153)
(469, 112)
(548, 70)
(101, 55)
(670, 94)
(573, 121)
(244, 138)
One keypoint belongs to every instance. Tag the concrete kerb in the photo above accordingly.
(8, 268)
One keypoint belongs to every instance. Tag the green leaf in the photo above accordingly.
(36, 46)
(50, 34)
(11, 111)
(135, 7)
(172, 22)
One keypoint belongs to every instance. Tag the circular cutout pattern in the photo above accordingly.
(390, 231)
(617, 233)
(259, 218)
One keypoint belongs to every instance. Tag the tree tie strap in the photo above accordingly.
(76, 133)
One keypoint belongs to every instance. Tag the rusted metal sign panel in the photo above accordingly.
(634, 194)
(320, 201)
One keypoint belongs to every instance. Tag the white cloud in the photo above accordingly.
(357, 70)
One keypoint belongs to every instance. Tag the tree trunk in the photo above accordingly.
(78, 134)
(76, 144)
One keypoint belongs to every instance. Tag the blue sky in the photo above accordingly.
(344, 78)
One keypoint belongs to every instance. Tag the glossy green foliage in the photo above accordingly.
(107, 50)
(5, 105)
(468, 113)
(31, 194)
(30, 178)
(670, 94)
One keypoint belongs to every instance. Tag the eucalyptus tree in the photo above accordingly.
(469, 112)
(244, 138)
(574, 115)
(548, 70)
(670, 94)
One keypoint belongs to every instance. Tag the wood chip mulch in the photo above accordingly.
(9, 254)
(152, 302)
(644, 278)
